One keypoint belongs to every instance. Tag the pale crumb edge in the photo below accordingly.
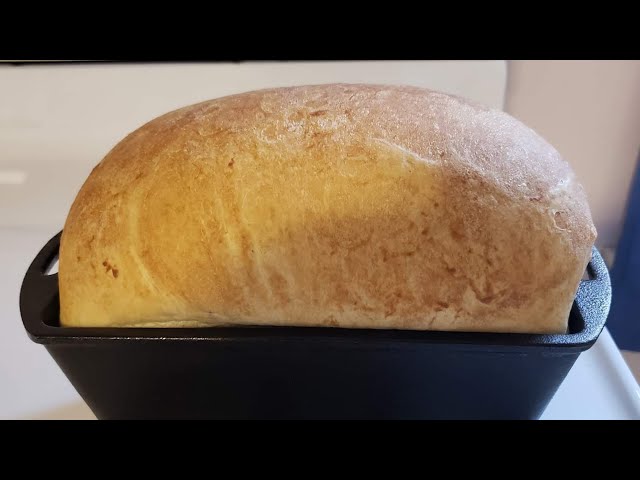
(180, 323)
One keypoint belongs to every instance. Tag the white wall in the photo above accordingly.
(590, 111)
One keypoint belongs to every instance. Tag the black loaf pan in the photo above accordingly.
(310, 373)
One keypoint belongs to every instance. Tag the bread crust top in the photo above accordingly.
(362, 206)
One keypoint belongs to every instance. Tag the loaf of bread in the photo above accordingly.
(355, 206)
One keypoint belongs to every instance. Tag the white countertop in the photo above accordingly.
(56, 122)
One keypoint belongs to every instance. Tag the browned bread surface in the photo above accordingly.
(334, 205)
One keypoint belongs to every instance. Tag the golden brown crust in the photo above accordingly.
(338, 205)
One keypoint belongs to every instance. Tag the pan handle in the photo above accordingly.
(39, 300)
(593, 298)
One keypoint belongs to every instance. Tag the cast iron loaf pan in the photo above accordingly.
(310, 373)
